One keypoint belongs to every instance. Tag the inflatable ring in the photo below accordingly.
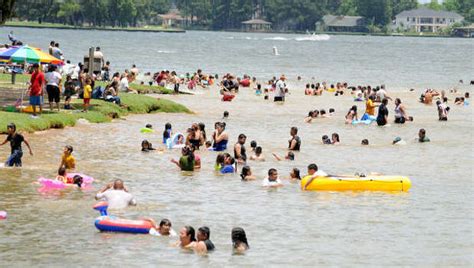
(106, 223)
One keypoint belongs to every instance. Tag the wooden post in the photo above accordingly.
(91, 60)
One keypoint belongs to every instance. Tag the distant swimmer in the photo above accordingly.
(275, 51)
(239, 240)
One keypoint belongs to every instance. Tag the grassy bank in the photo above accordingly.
(100, 111)
(34, 24)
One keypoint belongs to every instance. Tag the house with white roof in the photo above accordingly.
(426, 20)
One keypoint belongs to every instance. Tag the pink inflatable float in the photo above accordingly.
(55, 184)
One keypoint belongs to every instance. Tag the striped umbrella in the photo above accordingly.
(21, 54)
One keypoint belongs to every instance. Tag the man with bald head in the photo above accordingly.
(116, 195)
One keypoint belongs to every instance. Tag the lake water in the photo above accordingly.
(431, 225)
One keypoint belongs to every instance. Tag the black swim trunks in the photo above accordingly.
(53, 93)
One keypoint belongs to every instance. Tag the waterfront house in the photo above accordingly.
(467, 31)
(425, 20)
(256, 25)
(172, 19)
(331, 23)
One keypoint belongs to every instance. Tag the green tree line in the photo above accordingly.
(290, 15)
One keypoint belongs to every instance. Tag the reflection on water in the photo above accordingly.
(430, 225)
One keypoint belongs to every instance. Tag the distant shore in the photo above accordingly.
(155, 29)
(159, 29)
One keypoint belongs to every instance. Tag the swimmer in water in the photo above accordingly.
(228, 167)
(163, 229)
(289, 156)
(167, 133)
(400, 113)
(351, 114)
(258, 91)
(308, 90)
(398, 141)
(240, 153)
(204, 243)
(335, 139)
(219, 162)
(147, 146)
(67, 160)
(15, 140)
(187, 161)
(322, 113)
(314, 173)
(253, 146)
(272, 180)
(187, 238)
(239, 240)
(364, 142)
(422, 136)
(225, 115)
(258, 156)
(246, 174)
(294, 143)
(382, 116)
(442, 111)
(61, 175)
(309, 118)
(331, 111)
(295, 174)
(326, 140)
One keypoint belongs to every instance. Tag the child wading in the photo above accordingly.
(15, 140)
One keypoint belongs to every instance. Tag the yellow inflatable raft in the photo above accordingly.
(354, 183)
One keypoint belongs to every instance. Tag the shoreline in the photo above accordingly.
(157, 29)
(100, 111)
(71, 27)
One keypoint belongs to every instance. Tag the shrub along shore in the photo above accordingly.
(100, 111)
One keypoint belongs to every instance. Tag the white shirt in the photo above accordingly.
(381, 94)
(52, 78)
(69, 69)
(117, 199)
(75, 72)
(154, 232)
(320, 173)
(57, 53)
(280, 88)
(123, 84)
(267, 183)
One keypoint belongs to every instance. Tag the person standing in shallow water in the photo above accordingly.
(240, 153)
(382, 116)
(281, 89)
(15, 140)
(294, 143)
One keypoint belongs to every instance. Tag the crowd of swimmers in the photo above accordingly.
(196, 138)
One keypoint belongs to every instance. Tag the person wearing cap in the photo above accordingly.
(37, 82)
(15, 140)
(280, 89)
(398, 141)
